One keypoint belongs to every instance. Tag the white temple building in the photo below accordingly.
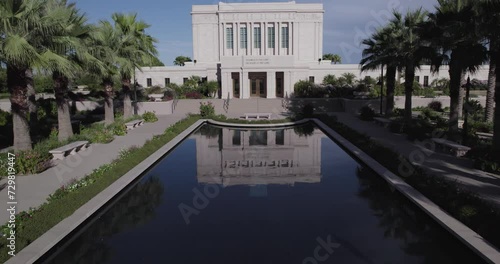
(261, 50)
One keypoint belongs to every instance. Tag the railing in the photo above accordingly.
(226, 104)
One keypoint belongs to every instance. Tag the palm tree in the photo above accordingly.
(489, 29)
(335, 58)
(105, 41)
(453, 30)
(181, 60)
(381, 49)
(412, 50)
(71, 45)
(489, 22)
(350, 78)
(137, 50)
(25, 26)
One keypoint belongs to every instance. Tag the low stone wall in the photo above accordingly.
(160, 108)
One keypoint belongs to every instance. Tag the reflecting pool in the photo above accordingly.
(261, 196)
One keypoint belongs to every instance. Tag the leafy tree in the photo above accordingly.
(181, 60)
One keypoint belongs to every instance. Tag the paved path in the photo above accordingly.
(461, 170)
(33, 190)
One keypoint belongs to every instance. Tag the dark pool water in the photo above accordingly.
(261, 196)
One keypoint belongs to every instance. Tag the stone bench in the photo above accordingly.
(382, 121)
(69, 149)
(133, 124)
(257, 115)
(487, 137)
(451, 147)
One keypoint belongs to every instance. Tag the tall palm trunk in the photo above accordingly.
(391, 84)
(33, 122)
(127, 102)
(490, 95)
(496, 126)
(18, 88)
(109, 115)
(63, 114)
(456, 74)
(409, 79)
(461, 96)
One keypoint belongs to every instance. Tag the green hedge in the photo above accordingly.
(479, 215)
(65, 201)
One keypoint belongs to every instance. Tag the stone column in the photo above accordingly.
(222, 44)
(295, 41)
(264, 38)
(271, 84)
(244, 85)
(278, 39)
(236, 38)
(287, 84)
(250, 38)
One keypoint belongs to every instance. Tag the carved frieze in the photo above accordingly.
(290, 16)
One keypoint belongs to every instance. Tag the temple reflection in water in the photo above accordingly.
(258, 157)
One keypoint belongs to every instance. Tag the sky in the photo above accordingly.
(346, 22)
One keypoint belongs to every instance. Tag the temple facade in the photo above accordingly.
(260, 50)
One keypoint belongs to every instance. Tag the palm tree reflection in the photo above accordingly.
(136, 208)
(419, 235)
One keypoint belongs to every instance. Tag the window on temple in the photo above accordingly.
(229, 38)
(256, 37)
(243, 37)
(149, 82)
(284, 37)
(270, 37)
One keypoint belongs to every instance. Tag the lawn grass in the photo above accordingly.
(4, 95)
(476, 213)
(64, 202)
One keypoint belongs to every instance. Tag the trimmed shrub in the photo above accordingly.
(5, 118)
(308, 111)
(436, 106)
(193, 95)
(366, 113)
(149, 117)
(207, 109)
(97, 133)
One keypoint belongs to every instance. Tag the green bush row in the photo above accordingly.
(467, 207)
(61, 204)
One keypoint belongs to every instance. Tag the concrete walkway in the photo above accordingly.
(33, 190)
(461, 170)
